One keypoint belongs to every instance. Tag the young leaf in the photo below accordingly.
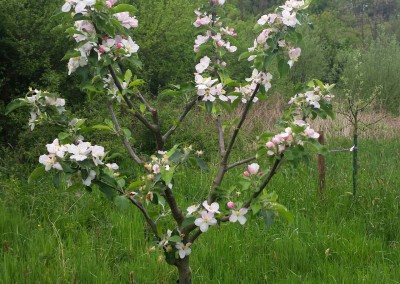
(283, 68)
(38, 172)
(123, 8)
(16, 104)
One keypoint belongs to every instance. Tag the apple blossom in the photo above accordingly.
(238, 215)
(289, 19)
(207, 219)
(50, 161)
(253, 168)
(56, 148)
(76, 62)
(97, 153)
(203, 65)
(270, 144)
(79, 152)
(294, 54)
(213, 208)
(192, 209)
(156, 168)
(112, 166)
(110, 3)
(90, 177)
(127, 21)
(183, 250)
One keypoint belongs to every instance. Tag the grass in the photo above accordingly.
(50, 236)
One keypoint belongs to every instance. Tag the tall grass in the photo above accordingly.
(50, 236)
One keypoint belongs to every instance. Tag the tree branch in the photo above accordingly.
(149, 221)
(265, 182)
(176, 211)
(240, 163)
(195, 236)
(118, 84)
(187, 109)
(119, 130)
(221, 138)
(223, 165)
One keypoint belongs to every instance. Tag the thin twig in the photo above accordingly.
(265, 182)
(119, 130)
(240, 163)
(195, 236)
(149, 221)
(224, 163)
(187, 109)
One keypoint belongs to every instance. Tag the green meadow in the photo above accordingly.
(55, 236)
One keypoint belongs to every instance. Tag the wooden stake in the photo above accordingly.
(321, 167)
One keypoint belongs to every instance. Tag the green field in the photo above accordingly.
(55, 236)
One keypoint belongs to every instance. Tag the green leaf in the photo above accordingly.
(136, 184)
(209, 106)
(38, 172)
(167, 175)
(16, 104)
(268, 217)
(122, 203)
(63, 135)
(201, 164)
(175, 239)
(283, 68)
(188, 221)
(128, 76)
(137, 82)
(57, 180)
(246, 55)
(101, 127)
(123, 8)
(255, 207)
(142, 108)
(71, 54)
(127, 133)
(106, 189)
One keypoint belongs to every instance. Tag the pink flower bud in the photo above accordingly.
(253, 168)
(198, 21)
(230, 205)
(119, 45)
(270, 144)
(234, 34)
(101, 50)
(246, 174)
(105, 37)
(260, 173)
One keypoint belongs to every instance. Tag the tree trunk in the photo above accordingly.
(185, 273)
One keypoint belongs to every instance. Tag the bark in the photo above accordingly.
(185, 273)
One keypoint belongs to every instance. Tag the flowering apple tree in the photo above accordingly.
(102, 31)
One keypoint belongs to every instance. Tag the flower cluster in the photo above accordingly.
(207, 86)
(207, 218)
(80, 6)
(313, 98)
(82, 151)
(85, 34)
(39, 102)
(291, 136)
(158, 163)
(284, 17)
